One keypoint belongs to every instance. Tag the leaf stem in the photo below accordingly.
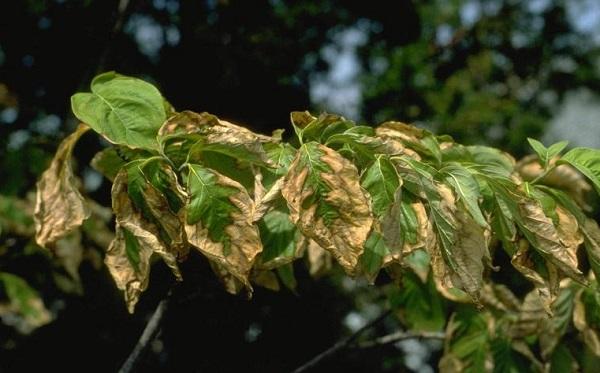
(543, 174)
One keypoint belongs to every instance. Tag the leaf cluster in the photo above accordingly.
(432, 213)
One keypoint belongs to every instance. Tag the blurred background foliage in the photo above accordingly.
(484, 71)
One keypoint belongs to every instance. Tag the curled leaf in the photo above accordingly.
(543, 235)
(136, 240)
(327, 204)
(59, 207)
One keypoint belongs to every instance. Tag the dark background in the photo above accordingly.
(493, 72)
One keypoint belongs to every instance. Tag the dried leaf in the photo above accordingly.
(590, 336)
(543, 235)
(191, 133)
(522, 261)
(218, 222)
(59, 207)
(319, 260)
(327, 204)
(137, 238)
(266, 279)
(591, 234)
(469, 254)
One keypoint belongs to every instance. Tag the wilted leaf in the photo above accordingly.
(125, 110)
(218, 222)
(469, 254)
(543, 235)
(266, 279)
(156, 193)
(137, 238)
(591, 234)
(59, 207)
(327, 204)
(523, 262)
(194, 134)
(319, 260)
(23, 302)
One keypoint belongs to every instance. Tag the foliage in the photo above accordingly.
(433, 214)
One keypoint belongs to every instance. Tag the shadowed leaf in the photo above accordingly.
(59, 207)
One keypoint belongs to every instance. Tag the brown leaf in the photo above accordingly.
(264, 199)
(469, 254)
(337, 191)
(231, 284)
(266, 279)
(59, 207)
(128, 257)
(546, 238)
(319, 260)
(523, 263)
(590, 336)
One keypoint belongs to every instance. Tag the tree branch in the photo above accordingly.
(400, 336)
(148, 335)
(340, 345)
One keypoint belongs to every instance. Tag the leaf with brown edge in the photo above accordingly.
(523, 261)
(129, 264)
(192, 134)
(470, 253)
(136, 240)
(218, 222)
(591, 234)
(327, 203)
(60, 207)
(155, 191)
(544, 237)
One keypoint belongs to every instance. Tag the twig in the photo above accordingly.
(400, 336)
(148, 335)
(340, 345)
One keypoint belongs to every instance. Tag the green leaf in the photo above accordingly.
(125, 110)
(108, 162)
(546, 154)
(372, 258)
(418, 303)
(278, 235)
(466, 188)
(381, 180)
(210, 203)
(587, 161)
(322, 128)
(24, 301)
(470, 342)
